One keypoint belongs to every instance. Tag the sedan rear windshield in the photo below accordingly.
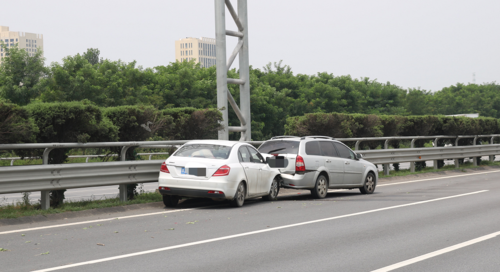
(280, 147)
(207, 151)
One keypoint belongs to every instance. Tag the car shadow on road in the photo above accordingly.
(205, 203)
(334, 196)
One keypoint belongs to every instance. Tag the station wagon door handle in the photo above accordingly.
(328, 161)
(347, 163)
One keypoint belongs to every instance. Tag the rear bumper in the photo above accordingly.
(300, 181)
(199, 187)
(191, 193)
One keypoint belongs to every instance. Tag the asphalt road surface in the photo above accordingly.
(440, 222)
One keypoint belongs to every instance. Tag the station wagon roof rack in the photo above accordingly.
(284, 136)
(318, 137)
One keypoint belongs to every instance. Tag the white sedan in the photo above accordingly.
(217, 169)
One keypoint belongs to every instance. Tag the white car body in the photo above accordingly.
(257, 176)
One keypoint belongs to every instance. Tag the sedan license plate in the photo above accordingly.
(200, 172)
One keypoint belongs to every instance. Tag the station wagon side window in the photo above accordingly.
(243, 154)
(312, 148)
(327, 149)
(344, 151)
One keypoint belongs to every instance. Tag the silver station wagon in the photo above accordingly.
(318, 163)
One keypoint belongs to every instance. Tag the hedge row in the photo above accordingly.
(86, 122)
(340, 125)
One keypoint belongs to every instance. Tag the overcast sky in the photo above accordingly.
(411, 43)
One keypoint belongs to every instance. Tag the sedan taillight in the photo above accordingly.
(222, 171)
(300, 166)
(164, 168)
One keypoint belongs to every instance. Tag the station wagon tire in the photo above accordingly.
(239, 196)
(273, 191)
(369, 184)
(170, 200)
(321, 188)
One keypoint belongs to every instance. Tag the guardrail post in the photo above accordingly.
(123, 187)
(386, 166)
(386, 169)
(45, 199)
(356, 147)
(435, 166)
(474, 159)
(123, 192)
(412, 164)
(492, 157)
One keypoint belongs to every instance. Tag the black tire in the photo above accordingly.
(239, 196)
(170, 200)
(369, 184)
(273, 191)
(320, 188)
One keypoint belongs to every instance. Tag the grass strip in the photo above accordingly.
(21, 209)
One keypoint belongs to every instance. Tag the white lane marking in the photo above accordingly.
(91, 221)
(249, 233)
(418, 180)
(147, 214)
(437, 252)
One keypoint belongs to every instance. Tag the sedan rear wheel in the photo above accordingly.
(321, 188)
(239, 197)
(369, 185)
(274, 191)
(170, 200)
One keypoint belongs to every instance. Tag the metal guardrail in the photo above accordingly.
(385, 156)
(15, 179)
(87, 157)
(47, 177)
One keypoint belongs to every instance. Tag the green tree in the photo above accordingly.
(20, 73)
(92, 56)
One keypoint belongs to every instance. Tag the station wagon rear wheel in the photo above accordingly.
(239, 197)
(369, 185)
(321, 188)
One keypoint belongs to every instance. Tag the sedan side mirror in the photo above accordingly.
(359, 156)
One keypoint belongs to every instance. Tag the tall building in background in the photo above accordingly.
(201, 50)
(31, 42)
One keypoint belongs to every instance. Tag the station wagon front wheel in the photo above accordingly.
(369, 185)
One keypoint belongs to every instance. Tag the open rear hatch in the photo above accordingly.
(281, 154)
(285, 163)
